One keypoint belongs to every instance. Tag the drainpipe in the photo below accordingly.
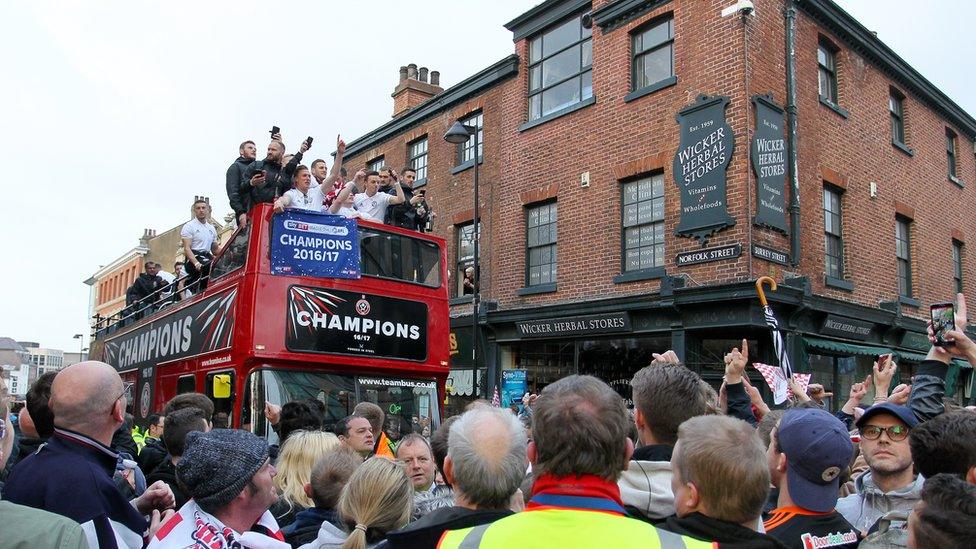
(791, 137)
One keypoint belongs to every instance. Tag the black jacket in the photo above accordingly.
(276, 183)
(727, 534)
(427, 530)
(235, 177)
(405, 215)
(166, 472)
(152, 454)
(928, 390)
(25, 447)
(306, 526)
(144, 286)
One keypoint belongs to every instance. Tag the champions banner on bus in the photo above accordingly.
(351, 323)
(307, 243)
(200, 328)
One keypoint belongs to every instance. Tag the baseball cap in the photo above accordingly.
(904, 413)
(818, 448)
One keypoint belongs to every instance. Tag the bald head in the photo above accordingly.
(487, 456)
(85, 398)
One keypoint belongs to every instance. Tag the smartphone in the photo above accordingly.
(309, 141)
(883, 359)
(274, 130)
(943, 319)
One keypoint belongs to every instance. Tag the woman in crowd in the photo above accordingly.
(299, 454)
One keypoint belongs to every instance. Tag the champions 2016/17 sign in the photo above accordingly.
(352, 323)
(306, 243)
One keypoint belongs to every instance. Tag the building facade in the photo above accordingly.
(43, 360)
(639, 170)
(14, 367)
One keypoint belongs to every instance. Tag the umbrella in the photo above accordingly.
(778, 343)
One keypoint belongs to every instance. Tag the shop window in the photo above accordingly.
(838, 373)
(544, 363)
(615, 361)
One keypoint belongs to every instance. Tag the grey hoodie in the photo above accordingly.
(329, 537)
(646, 486)
(866, 507)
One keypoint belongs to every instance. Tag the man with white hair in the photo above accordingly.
(485, 463)
(71, 475)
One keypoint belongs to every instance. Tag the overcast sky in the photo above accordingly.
(114, 114)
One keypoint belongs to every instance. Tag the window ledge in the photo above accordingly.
(419, 183)
(909, 301)
(539, 289)
(463, 300)
(837, 109)
(465, 165)
(561, 112)
(903, 147)
(653, 273)
(839, 283)
(957, 181)
(647, 90)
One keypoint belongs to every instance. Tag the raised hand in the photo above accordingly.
(667, 357)
(900, 394)
(884, 371)
(735, 363)
(340, 145)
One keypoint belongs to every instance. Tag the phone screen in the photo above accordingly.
(943, 320)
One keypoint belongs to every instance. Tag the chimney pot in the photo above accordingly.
(435, 78)
(412, 70)
(403, 73)
(423, 74)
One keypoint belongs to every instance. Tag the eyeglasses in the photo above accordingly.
(896, 433)
(126, 387)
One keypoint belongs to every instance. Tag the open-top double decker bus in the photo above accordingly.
(265, 331)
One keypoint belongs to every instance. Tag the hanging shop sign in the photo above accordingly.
(768, 154)
(706, 255)
(699, 168)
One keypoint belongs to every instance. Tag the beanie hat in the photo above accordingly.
(217, 465)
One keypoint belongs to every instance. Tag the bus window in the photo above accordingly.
(220, 389)
(233, 257)
(186, 384)
(276, 386)
(411, 406)
(400, 257)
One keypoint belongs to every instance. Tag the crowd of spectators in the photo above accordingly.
(690, 467)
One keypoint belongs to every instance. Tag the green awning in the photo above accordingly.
(962, 363)
(909, 356)
(844, 348)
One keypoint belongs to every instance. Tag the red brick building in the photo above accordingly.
(612, 227)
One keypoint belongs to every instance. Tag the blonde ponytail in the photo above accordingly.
(377, 499)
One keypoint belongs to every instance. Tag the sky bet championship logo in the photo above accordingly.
(316, 228)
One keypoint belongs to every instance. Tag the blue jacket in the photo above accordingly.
(71, 476)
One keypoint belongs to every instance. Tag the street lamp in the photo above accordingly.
(458, 134)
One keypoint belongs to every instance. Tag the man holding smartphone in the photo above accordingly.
(268, 179)
(371, 202)
(411, 214)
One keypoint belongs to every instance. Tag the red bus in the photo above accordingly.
(253, 337)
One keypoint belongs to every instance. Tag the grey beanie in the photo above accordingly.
(217, 465)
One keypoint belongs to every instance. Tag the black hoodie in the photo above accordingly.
(725, 534)
(235, 176)
(276, 183)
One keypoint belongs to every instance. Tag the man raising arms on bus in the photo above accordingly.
(199, 246)
(372, 203)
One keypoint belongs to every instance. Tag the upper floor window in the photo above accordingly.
(417, 157)
(897, 109)
(951, 152)
(827, 65)
(833, 234)
(560, 68)
(903, 254)
(465, 260)
(643, 223)
(541, 245)
(376, 164)
(957, 265)
(466, 149)
(653, 51)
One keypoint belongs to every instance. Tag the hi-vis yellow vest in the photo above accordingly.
(567, 529)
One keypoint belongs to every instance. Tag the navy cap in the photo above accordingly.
(818, 448)
(904, 413)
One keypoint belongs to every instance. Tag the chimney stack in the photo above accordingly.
(413, 88)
